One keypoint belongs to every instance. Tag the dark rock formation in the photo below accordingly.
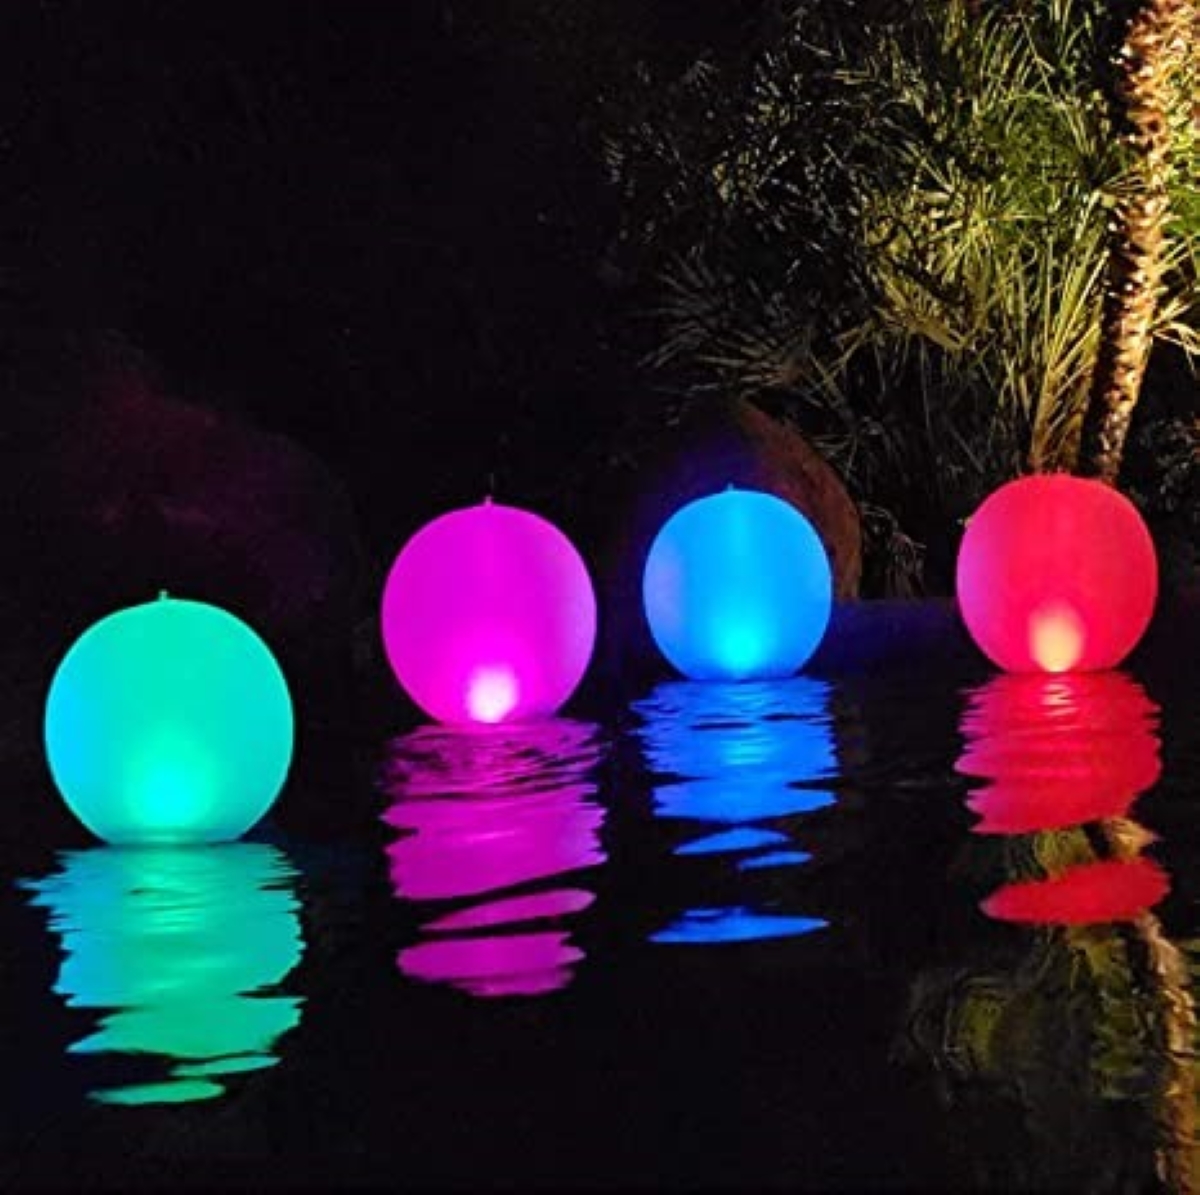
(122, 490)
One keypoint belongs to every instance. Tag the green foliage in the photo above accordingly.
(901, 242)
(988, 248)
(741, 183)
(735, 184)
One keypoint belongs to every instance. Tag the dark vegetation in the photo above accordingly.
(897, 235)
(453, 248)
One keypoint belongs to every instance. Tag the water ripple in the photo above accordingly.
(183, 950)
(481, 813)
(753, 760)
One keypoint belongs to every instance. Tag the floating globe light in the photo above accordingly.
(489, 616)
(1056, 573)
(737, 586)
(169, 722)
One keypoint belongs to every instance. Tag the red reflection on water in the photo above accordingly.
(1112, 890)
(484, 813)
(1058, 751)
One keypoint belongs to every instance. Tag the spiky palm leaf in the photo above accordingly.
(903, 248)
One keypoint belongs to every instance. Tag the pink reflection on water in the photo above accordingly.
(512, 909)
(487, 812)
(461, 847)
(504, 965)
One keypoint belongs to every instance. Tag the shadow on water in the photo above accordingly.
(491, 821)
(180, 954)
(736, 767)
(1062, 1039)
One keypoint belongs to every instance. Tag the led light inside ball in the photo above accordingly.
(169, 722)
(492, 694)
(489, 616)
(737, 586)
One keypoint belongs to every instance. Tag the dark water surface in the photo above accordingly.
(916, 928)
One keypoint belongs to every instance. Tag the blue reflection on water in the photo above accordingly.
(734, 924)
(486, 814)
(183, 949)
(775, 859)
(744, 838)
(751, 759)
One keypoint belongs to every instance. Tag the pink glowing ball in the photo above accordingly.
(1056, 573)
(489, 616)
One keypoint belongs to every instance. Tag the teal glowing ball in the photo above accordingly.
(169, 722)
(737, 586)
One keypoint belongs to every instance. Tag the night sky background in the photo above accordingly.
(364, 259)
(380, 228)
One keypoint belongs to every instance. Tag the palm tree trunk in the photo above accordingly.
(1157, 42)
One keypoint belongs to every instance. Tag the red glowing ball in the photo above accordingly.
(1056, 573)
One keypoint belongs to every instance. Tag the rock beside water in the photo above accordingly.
(122, 489)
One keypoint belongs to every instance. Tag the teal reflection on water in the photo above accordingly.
(738, 767)
(181, 949)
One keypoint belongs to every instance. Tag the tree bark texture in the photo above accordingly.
(1158, 40)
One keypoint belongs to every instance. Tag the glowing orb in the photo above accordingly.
(169, 722)
(1056, 573)
(489, 616)
(737, 586)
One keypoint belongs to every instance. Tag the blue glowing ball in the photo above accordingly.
(737, 587)
(169, 722)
